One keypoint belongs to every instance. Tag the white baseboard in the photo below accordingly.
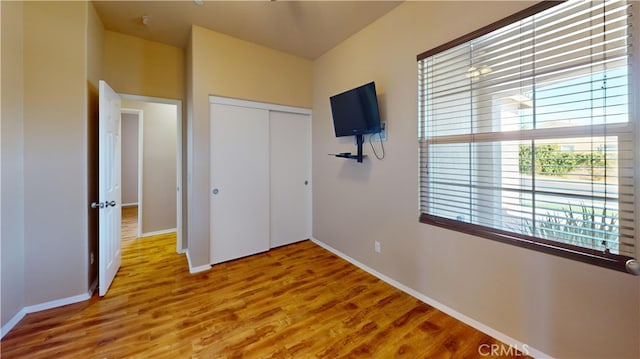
(194, 270)
(12, 323)
(43, 306)
(156, 233)
(58, 303)
(442, 307)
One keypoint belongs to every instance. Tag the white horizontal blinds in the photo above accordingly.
(527, 130)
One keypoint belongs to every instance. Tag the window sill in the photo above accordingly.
(601, 259)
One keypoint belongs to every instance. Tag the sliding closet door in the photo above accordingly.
(290, 145)
(239, 179)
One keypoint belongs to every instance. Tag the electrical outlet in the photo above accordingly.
(376, 246)
(92, 258)
(383, 132)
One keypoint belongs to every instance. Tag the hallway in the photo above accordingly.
(129, 223)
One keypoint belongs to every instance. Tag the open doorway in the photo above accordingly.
(131, 173)
(151, 167)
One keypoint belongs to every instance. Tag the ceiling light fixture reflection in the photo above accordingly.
(522, 100)
(474, 72)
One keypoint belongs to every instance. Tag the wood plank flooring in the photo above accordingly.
(297, 301)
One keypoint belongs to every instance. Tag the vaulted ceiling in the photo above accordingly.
(303, 28)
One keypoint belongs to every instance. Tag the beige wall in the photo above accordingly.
(140, 67)
(95, 45)
(55, 62)
(230, 67)
(159, 138)
(561, 307)
(225, 66)
(55, 150)
(129, 158)
(12, 162)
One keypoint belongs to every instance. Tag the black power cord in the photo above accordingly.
(381, 145)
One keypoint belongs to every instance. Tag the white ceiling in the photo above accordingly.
(303, 28)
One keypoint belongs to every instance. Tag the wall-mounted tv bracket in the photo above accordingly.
(359, 156)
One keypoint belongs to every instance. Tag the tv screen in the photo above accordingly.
(355, 112)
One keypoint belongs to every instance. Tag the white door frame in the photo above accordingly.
(140, 173)
(179, 210)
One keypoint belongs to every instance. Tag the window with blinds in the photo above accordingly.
(526, 132)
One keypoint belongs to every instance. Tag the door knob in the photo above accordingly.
(215, 191)
(97, 205)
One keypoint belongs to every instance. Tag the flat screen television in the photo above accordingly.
(355, 112)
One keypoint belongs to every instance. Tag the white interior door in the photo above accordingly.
(109, 187)
(290, 151)
(239, 182)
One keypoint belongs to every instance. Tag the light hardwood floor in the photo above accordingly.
(297, 301)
